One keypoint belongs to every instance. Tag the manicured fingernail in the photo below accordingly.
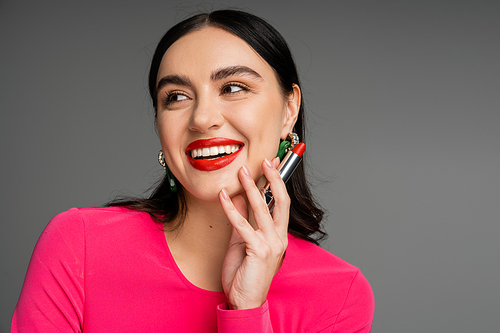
(225, 196)
(268, 163)
(276, 162)
(246, 171)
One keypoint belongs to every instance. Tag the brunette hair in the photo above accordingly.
(164, 206)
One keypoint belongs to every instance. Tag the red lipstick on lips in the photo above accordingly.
(216, 163)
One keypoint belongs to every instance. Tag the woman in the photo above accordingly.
(203, 253)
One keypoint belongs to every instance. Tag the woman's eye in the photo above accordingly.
(176, 97)
(232, 89)
(173, 97)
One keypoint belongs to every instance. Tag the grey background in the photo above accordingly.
(403, 107)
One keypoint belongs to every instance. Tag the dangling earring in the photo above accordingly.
(286, 145)
(170, 176)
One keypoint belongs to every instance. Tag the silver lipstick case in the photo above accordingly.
(285, 169)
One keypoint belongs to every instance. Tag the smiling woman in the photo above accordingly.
(204, 253)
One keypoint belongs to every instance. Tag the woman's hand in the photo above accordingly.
(254, 256)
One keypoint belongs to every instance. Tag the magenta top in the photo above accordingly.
(110, 270)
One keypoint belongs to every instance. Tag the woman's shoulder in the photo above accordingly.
(93, 225)
(307, 263)
(96, 217)
(333, 290)
(72, 226)
(99, 212)
(302, 253)
(328, 270)
(87, 233)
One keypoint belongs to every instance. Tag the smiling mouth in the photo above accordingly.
(211, 153)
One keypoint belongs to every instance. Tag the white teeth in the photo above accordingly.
(214, 151)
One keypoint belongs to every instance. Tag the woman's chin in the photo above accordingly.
(211, 193)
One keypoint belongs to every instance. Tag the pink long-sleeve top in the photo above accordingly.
(110, 270)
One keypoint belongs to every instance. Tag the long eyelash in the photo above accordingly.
(236, 84)
(166, 97)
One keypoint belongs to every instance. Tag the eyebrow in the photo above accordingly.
(234, 70)
(173, 79)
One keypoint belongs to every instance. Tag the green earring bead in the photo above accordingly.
(170, 177)
(284, 145)
(290, 141)
(171, 180)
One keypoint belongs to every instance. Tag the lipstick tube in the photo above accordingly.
(285, 169)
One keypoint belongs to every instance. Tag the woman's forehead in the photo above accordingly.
(208, 49)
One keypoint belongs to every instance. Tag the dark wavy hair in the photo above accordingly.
(167, 207)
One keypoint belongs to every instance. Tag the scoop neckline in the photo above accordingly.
(211, 293)
(181, 276)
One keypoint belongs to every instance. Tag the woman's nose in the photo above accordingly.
(206, 116)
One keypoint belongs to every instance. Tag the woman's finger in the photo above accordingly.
(281, 198)
(260, 211)
(241, 224)
(276, 162)
(241, 205)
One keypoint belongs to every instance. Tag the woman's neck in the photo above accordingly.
(199, 245)
(204, 223)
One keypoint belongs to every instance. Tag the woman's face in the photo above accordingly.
(219, 107)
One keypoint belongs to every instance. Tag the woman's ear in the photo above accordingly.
(292, 111)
